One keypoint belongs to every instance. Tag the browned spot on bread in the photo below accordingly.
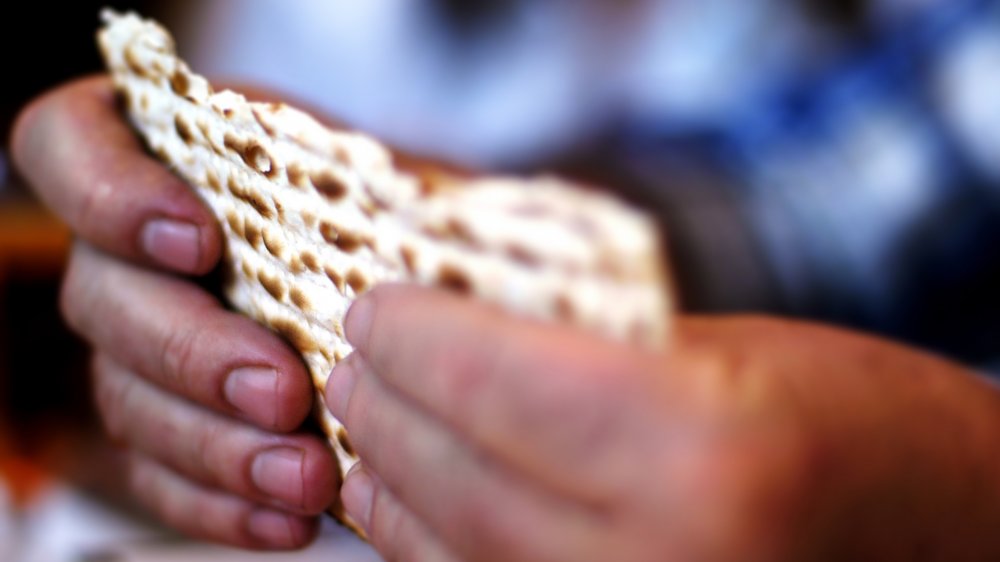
(144, 102)
(273, 242)
(345, 442)
(252, 234)
(227, 113)
(343, 239)
(380, 203)
(203, 127)
(454, 279)
(309, 219)
(213, 182)
(234, 143)
(157, 68)
(272, 284)
(296, 175)
(341, 155)
(234, 186)
(179, 82)
(247, 270)
(460, 231)
(409, 256)
(327, 355)
(426, 186)
(257, 157)
(310, 260)
(259, 203)
(435, 231)
(433, 181)
(296, 335)
(338, 356)
(522, 255)
(135, 65)
(564, 309)
(263, 122)
(235, 223)
(358, 281)
(183, 129)
(338, 329)
(335, 277)
(349, 242)
(368, 208)
(161, 153)
(327, 183)
(300, 299)
(124, 98)
(295, 265)
(251, 196)
(280, 209)
(329, 232)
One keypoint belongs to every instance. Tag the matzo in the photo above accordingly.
(315, 217)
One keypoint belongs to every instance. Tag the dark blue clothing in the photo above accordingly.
(849, 189)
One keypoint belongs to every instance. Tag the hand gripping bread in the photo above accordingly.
(314, 217)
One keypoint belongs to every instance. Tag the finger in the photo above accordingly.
(291, 472)
(475, 504)
(560, 405)
(213, 515)
(392, 528)
(177, 336)
(79, 154)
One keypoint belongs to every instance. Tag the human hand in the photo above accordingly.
(206, 401)
(485, 437)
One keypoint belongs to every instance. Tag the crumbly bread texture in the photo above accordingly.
(315, 217)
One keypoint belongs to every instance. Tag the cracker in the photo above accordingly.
(315, 217)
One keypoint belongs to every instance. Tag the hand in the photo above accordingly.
(485, 437)
(205, 400)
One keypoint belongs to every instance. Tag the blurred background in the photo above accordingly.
(828, 159)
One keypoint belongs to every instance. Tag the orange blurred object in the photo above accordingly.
(32, 241)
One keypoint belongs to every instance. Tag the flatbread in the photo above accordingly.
(315, 217)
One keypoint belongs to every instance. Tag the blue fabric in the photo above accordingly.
(866, 207)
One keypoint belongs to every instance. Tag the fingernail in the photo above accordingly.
(340, 386)
(358, 323)
(278, 473)
(253, 391)
(173, 244)
(358, 494)
(272, 528)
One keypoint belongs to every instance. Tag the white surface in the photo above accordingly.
(64, 525)
(6, 524)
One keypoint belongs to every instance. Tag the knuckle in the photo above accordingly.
(206, 444)
(384, 525)
(73, 305)
(178, 350)
(91, 214)
(146, 483)
(113, 396)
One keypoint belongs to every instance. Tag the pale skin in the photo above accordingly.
(490, 437)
